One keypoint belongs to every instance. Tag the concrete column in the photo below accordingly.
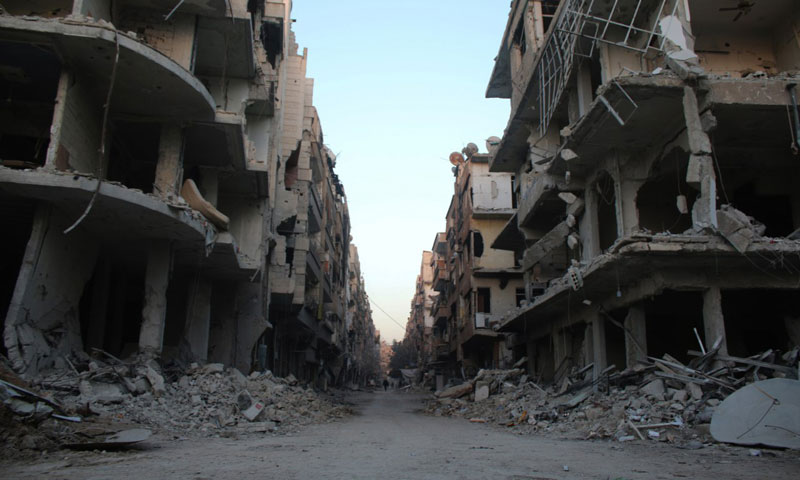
(198, 319)
(635, 336)
(170, 161)
(562, 348)
(588, 343)
(589, 226)
(713, 321)
(151, 335)
(599, 346)
(700, 173)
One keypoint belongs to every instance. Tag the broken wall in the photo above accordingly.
(173, 38)
(42, 323)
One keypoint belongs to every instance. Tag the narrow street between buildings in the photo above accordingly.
(389, 437)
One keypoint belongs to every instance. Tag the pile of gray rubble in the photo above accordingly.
(660, 400)
(92, 399)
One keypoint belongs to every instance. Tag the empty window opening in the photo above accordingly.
(671, 318)
(606, 210)
(16, 216)
(757, 320)
(519, 295)
(657, 200)
(773, 210)
(484, 300)
(134, 155)
(29, 79)
(111, 305)
(478, 245)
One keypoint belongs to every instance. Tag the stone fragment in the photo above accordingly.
(695, 391)
(481, 391)
(156, 382)
(456, 391)
(214, 368)
(680, 396)
(238, 379)
(654, 389)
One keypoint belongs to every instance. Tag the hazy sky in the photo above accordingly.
(398, 86)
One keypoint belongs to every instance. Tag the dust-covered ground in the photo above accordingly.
(389, 437)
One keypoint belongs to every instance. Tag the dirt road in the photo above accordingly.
(388, 438)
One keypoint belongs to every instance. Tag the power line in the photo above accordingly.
(384, 312)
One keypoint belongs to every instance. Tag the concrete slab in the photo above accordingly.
(147, 83)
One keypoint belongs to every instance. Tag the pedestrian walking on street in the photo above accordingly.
(385, 384)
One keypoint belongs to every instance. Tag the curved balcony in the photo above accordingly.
(147, 83)
(119, 212)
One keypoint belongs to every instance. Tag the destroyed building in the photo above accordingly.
(419, 328)
(475, 284)
(165, 190)
(654, 144)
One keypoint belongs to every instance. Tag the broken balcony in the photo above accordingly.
(147, 83)
(120, 212)
(640, 266)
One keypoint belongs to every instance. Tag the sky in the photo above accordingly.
(398, 85)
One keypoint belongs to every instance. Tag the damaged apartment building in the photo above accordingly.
(157, 164)
(654, 146)
(465, 285)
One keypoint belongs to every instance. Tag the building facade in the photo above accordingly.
(157, 164)
(472, 285)
(654, 160)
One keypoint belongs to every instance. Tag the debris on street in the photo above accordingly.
(660, 400)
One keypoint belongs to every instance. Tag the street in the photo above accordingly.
(389, 438)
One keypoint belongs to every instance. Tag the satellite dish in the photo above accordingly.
(470, 150)
(456, 158)
(492, 142)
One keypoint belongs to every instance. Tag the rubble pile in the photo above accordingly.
(660, 399)
(209, 400)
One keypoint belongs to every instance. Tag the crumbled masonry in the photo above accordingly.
(209, 400)
(660, 399)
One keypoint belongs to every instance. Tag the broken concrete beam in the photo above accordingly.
(700, 166)
(456, 391)
(704, 210)
(576, 208)
(551, 240)
(734, 230)
(699, 142)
